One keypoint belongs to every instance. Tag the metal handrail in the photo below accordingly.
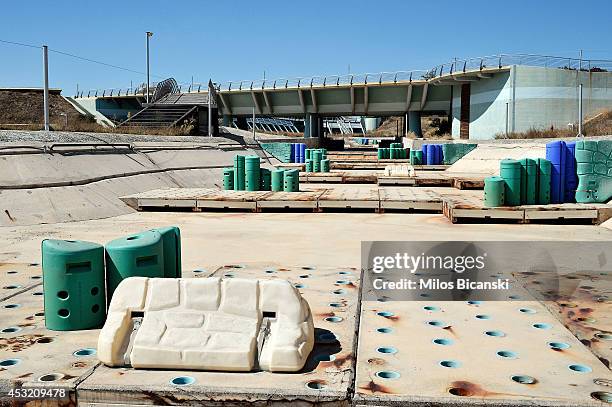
(457, 65)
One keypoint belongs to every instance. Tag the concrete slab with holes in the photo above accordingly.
(18, 277)
(510, 353)
(332, 294)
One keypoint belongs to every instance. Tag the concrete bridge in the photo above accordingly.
(481, 96)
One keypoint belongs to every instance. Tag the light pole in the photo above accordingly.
(149, 35)
(46, 87)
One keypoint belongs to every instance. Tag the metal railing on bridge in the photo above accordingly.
(453, 67)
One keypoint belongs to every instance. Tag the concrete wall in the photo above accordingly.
(537, 97)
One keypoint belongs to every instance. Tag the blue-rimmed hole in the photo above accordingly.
(9, 362)
(182, 380)
(270, 271)
(386, 350)
(603, 336)
(514, 297)
(495, 333)
(11, 286)
(474, 302)
(384, 330)
(541, 325)
(580, 368)
(443, 341)
(316, 385)
(11, 329)
(37, 293)
(197, 271)
(604, 396)
(431, 308)
(385, 314)
(333, 319)
(436, 323)
(527, 310)
(343, 282)
(387, 374)
(299, 285)
(304, 276)
(335, 304)
(523, 379)
(450, 363)
(483, 316)
(558, 345)
(11, 306)
(339, 291)
(507, 354)
(344, 273)
(85, 352)
(228, 275)
(308, 267)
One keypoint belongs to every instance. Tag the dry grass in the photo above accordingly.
(598, 125)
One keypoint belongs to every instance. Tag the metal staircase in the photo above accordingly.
(161, 115)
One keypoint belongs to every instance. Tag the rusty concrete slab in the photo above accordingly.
(496, 353)
(327, 377)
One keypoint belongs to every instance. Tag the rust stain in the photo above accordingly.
(326, 314)
(376, 361)
(19, 343)
(372, 388)
(469, 389)
(79, 364)
(341, 360)
(23, 376)
(450, 330)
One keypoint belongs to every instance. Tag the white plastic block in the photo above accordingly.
(207, 324)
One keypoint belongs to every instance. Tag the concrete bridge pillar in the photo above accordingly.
(414, 122)
(312, 125)
(227, 120)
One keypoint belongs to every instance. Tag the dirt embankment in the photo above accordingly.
(25, 108)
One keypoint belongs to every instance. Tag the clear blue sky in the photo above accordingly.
(230, 40)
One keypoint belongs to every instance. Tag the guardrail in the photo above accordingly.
(452, 67)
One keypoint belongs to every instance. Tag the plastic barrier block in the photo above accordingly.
(594, 168)
(73, 284)
(171, 240)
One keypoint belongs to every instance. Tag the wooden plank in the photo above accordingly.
(350, 198)
(560, 211)
(220, 199)
(395, 180)
(290, 200)
(471, 206)
(410, 199)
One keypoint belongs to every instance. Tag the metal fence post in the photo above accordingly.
(46, 86)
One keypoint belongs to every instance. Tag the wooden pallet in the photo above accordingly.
(289, 200)
(221, 199)
(167, 198)
(464, 206)
(337, 177)
(575, 211)
(350, 199)
(410, 199)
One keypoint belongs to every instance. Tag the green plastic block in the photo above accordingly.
(544, 176)
(171, 240)
(453, 152)
(277, 179)
(529, 179)
(291, 181)
(494, 191)
(73, 284)
(594, 168)
(137, 255)
(510, 171)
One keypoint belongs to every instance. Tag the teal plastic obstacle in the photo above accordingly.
(453, 152)
(529, 179)
(277, 179)
(228, 178)
(494, 191)
(137, 255)
(171, 240)
(73, 284)
(544, 177)
(265, 179)
(291, 181)
(594, 168)
(510, 171)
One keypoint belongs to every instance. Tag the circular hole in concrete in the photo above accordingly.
(483, 316)
(384, 330)
(443, 341)
(229, 275)
(270, 271)
(527, 310)
(514, 297)
(182, 381)
(95, 291)
(386, 350)
(343, 282)
(40, 314)
(385, 314)
(506, 354)
(316, 385)
(308, 268)
(339, 292)
(523, 379)
(36, 277)
(333, 319)
(51, 377)
(37, 293)
(541, 325)
(382, 299)
(11, 306)
(95, 308)
(11, 272)
(305, 276)
(604, 396)
(132, 238)
(387, 374)
(474, 302)
(11, 286)
(495, 333)
(327, 337)
(436, 323)
(588, 320)
(450, 363)
(298, 285)
(85, 352)
(335, 304)
(580, 368)
(558, 345)
(9, 362)
(64, 313)
(344, 273)
(11, 330)
(604, 336)
(460, 391)
(198, 271)
(45, 339)
(62, 295)
(425, 295)
(431, 308)
(325, 358)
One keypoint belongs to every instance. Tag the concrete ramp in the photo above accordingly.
(485, 158)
